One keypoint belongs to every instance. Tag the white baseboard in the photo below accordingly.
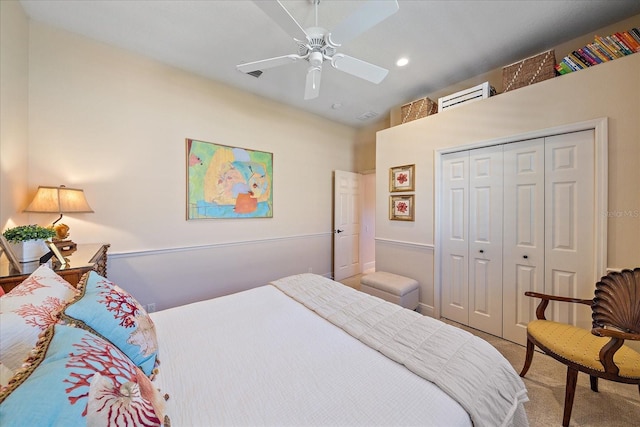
(369, 267)
(426, 310)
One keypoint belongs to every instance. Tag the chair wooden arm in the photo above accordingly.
(545, 298)
(607, 352)
(612, 333)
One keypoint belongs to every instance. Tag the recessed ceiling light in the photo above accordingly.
(402, 62)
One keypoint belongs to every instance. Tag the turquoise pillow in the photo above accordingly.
(53, 387)
(104, 309)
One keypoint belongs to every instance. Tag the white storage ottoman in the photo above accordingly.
(391, 287)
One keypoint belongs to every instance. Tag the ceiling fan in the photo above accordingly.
(317, 45)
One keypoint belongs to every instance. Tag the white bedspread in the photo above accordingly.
(468, 368)
(260, 358)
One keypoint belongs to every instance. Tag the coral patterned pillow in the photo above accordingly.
(134, 403)
(54, 386)
(27, 310)
(108, 311)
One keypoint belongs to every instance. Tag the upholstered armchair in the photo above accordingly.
(601, 352)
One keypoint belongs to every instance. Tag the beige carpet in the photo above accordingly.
(615, 405)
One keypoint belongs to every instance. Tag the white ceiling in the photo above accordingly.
(446, 41)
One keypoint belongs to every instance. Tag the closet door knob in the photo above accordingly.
(481, 251)
(525, 256)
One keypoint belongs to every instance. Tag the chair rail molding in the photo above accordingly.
(427, 246)
(127, 254)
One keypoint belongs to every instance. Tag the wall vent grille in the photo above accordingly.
(475, 93)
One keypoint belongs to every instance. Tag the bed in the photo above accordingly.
(302, 350)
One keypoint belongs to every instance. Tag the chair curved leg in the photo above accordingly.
(528, 358)
(572, 377)
(594, 383)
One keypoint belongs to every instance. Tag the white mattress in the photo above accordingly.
(260, 358)
(466, 367)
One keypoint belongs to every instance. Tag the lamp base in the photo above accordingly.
(65, 246)
(62, 230)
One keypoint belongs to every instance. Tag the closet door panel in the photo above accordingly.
(523, 261)
(455, 250)
(570, 223)
(485, 239)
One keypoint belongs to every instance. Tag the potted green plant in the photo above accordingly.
(27, 241)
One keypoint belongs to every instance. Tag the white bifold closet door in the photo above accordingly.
(518, 217)
(524, 243)
(549, 223)
(472, 238)
(455, 237)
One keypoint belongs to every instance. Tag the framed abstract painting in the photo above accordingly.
(228, 182)
(401, 178)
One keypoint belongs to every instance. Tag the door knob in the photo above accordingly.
(525, 256)
(339, 231)
(481, 251)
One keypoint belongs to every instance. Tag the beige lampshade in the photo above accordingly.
(59, 200)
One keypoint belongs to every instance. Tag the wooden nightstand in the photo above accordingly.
(86, 257)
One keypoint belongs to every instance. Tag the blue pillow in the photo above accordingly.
(53, 387)
(108, 311)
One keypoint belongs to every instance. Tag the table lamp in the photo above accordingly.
(60, 200)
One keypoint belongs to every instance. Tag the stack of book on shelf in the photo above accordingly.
(602, 49)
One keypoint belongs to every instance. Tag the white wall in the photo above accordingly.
(114, 124)
(14, 130)
(608, 90)
(368, 224)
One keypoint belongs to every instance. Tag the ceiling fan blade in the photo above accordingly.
(359, 68)
(368, 15)
(276, 11)
(267, 63)
(312, 85)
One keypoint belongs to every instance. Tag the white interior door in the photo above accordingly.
(455, 239)
(485, 239)
(523, 238)
(347, 199)
(570, 223)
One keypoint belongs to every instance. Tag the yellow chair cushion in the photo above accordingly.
(582, 347)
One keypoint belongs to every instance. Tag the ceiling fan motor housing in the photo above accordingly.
(316, 42)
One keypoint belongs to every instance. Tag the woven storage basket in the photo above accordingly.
(529, 71)
(418, 109)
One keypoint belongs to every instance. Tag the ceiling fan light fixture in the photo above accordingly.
(316, 59)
